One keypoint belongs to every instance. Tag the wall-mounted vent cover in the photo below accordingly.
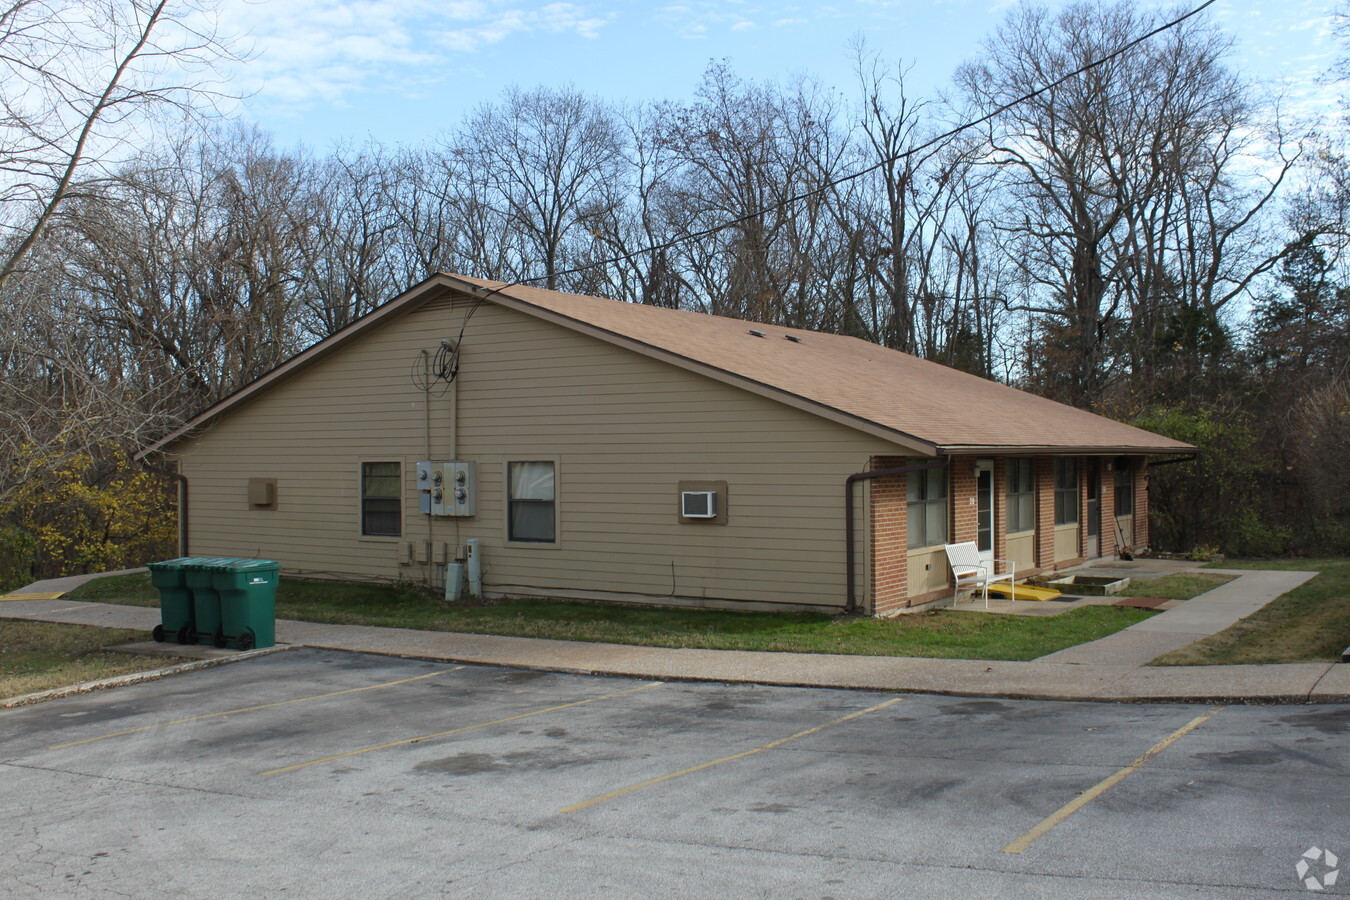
(698, 504)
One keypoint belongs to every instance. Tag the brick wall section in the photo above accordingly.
(1082, 506)
(1108, 494)
(890, 536)
(1000, 508)
(964, 518)
(1044, 468)
(1141, 502)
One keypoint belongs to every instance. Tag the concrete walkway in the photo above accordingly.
(1113, 668)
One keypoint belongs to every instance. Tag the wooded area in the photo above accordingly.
(1151, 237)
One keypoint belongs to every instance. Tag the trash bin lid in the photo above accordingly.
(237, 564)
(175, 565)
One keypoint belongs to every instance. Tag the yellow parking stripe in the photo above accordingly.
(726, 759)
(427, 737)
(1106, 784)
(244, 709)
(49, 595)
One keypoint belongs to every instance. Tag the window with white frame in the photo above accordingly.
(531, 498)
(381, 499)
(927, 508)
(1021, 495)
(1066, 491)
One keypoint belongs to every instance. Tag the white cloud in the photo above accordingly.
(322, 51)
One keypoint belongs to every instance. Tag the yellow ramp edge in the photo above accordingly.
(1022, 591)
(49, 595)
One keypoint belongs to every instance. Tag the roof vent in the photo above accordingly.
(756, 333)
(793, 338)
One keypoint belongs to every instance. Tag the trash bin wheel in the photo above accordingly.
(186, 635)
(158, 634)
(218, 638)
(245, 640)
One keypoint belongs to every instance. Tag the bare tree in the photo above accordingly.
(1131, 199)
(78, 82)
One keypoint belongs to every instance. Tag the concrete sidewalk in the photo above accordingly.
(1113, 668)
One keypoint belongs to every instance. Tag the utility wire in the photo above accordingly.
(843, 179)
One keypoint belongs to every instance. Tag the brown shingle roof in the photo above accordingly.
(924, 406)
(939, 406)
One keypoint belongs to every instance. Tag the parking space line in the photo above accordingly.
(726, 759)
(244, 709)
(1104, 785)
(427, 737)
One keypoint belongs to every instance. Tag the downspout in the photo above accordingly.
(849, 533)
(182, 512)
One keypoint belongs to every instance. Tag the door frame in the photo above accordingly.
(984, 507)
(1092, 541)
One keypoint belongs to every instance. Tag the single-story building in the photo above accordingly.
(606, 450)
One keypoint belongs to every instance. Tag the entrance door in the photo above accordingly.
(984, 509)
(1094, 509)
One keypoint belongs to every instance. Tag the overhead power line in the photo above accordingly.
(843, 179)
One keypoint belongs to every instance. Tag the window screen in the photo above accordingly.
(927, 508)
(381, 499)
(1021, 496)
(1066, 491)
(1124, 487)
(532, 502)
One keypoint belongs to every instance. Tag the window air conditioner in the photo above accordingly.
(698, 504)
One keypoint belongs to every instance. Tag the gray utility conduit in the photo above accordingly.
(849, 536)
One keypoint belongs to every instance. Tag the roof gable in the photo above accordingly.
(922, 406)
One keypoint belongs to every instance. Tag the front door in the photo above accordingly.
(984, 509)
(1094, 509)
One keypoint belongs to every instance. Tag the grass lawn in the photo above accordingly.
(1309, 624)
(1181, 586)
(944, 633)
(38, 656)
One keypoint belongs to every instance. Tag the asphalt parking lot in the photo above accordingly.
(318, 774)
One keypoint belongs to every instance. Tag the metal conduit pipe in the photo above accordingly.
(849, 536)
(182, 483)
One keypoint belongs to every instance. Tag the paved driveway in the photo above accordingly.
(316, 774)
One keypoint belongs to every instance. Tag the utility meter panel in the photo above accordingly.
(447, 488)
(461, 488)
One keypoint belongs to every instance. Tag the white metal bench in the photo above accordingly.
(970, 571)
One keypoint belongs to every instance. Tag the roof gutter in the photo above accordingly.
(849, 531)
(1168, 462)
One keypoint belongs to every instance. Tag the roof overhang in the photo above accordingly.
(1050, 450)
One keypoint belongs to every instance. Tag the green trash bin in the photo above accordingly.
(248, 602)
(177, 618)
(199, 574)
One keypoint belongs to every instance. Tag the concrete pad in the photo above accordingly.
(1291, 683)
(1334, 686)
(188, 651)
(71, 582)
(1124, 648)
(105, 615)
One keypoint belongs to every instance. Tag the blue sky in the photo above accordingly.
(324, 71)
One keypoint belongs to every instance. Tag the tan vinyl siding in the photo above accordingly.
(623, 428)
(934, 578)
(1066, 541)
(1022, 549)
